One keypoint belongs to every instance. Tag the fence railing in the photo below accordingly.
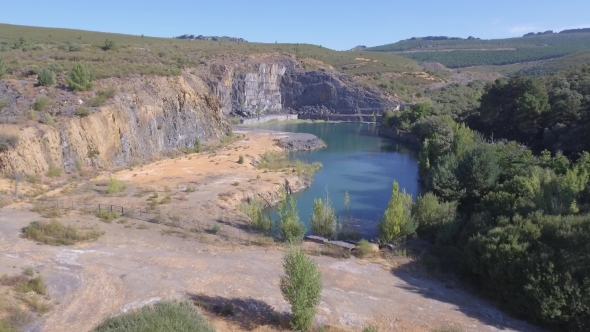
(121, 210)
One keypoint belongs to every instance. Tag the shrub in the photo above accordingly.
(29, 271)
(3, 68)
(197, 146)
(53, 172)
(7, 142)
(109, 44)
(292, 230)
(41, 103)
(364, 248)
(261, 222)
(324, 218)
(74, 47)
(370, 329)
(101, 97)
(241, 159)
(114, 186)
(79, 78)
(3, 103)
(397, 221)
(45, 77)
(162, 316)
(82, 112)
(34, 285)
(56, 233)
(216, 229)
(301, 287)
(48, 119)
(107, 216)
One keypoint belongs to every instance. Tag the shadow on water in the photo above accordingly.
(465, 302)
(247, 313)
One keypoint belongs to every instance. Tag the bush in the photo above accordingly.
(56, 234)
(41, 103)
(79, 78)
(397, 221)
(48, 119)
(261, 222)
(46, 77)
(109, 44)
(162, 316)
(82, 112)
(53, 172)
(7, 142)
(101, 97)
(107, 216)
(301, 287)
(34, 285)
(364, 248)
(216, 229)
(114, 186)
(3, 68)
(241, 160)
(292, 230)
(324, 218)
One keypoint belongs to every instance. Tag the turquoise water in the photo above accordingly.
(358, 161)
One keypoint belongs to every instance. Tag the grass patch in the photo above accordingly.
(364, 248)
(53, 172)
(277, 161)
(114, 186)
(107, 216)
(162, 316)
(41, 103)
(35, 285)
(56, 233)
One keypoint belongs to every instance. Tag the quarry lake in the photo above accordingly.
(356, 161)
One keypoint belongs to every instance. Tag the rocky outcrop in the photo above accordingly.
(212, 38)
(301, 142)
(160, 114)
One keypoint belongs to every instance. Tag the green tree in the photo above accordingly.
(292, 230)
(431, 215)
(397, 221)
(479, 171)
(301, 287)
(324, 218)
(443, 179)
(46, 77)
(79, 78)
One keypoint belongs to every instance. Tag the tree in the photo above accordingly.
(301, 287)
(324, 218)
(430, 214)
(46, 77)
(292, 230)
(443, 179)
(79, 78)
(397, 221)
(479, 171)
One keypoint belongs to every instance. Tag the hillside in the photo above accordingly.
(458, 53)
(23, 48)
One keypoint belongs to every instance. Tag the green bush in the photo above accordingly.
(163, 316)
(324, 218)
(48, 119)
(241, 159)
(41, 103)
(8, 142)
(364, 248)
(34, 285)
(292, 230)
(114, 186)
(301, 287)
(53, 172)
(216, 228)
(3, 68)
(82, 112)
(101, 97)
(45, 77)
(370, 329)
(261, 222)
(397, 221)
(109, 44)
(56, 234)
(79, 78)
(107, 216)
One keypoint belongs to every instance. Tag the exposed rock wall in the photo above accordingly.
(162, 114)
(267, 118)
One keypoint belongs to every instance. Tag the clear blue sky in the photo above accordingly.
(339, 25)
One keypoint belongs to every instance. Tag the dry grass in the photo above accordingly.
(56, 233)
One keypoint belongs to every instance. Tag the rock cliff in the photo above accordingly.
(155, 115)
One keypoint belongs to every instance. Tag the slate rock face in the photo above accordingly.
(280, 87)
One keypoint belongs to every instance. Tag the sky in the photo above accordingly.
(339, 25)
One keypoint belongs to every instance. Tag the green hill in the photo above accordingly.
(458, 53)
(25, 49)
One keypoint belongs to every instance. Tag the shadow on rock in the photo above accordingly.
(449, 291)
(248, 313)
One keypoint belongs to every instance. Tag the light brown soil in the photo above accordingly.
(131, 266)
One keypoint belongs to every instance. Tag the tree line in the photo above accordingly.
(513, 221)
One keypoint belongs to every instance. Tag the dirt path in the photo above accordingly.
(136, 263)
